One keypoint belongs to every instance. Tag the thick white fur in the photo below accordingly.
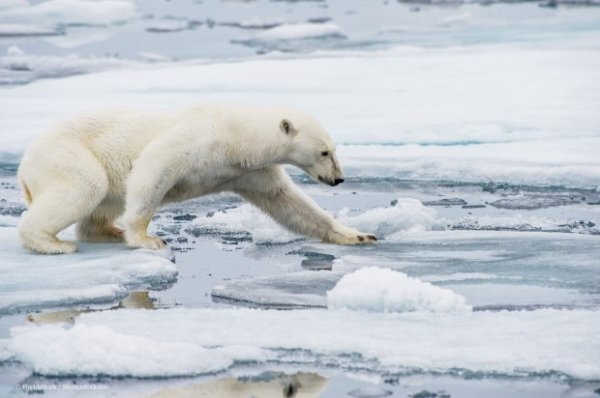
(95, 168)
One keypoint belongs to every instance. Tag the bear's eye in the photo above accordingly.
(325, 153)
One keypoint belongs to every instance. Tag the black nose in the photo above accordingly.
(338, 181)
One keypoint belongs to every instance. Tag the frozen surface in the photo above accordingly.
(19, 67)
(97, 273)
(287, 291)
(120, 343)
(383, 290)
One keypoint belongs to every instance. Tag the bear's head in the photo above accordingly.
(311, 149)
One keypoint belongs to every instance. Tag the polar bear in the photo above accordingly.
(93, 169)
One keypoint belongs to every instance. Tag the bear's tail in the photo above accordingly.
(26, 192)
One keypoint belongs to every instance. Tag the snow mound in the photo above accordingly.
(142, 343)
(97, 273)
(300, 31)
(404, 216)
(384, 290)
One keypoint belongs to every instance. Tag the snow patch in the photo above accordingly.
(384, 290)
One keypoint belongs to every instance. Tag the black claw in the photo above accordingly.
(373, 237)
(164, 241)
(361, 238)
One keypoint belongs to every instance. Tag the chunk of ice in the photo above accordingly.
(405, 216)
(300, 31)
(384, 290)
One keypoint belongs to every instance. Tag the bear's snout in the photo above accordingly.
(333, 182)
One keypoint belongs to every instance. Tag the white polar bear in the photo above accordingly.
(95, 168)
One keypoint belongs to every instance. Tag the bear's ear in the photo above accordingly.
(286, 127)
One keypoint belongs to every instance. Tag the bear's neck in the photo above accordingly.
(252, 152)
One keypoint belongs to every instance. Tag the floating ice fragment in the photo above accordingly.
(370, 392)
(14, 50)
(300, 31)
(24, 30)
(384, 290)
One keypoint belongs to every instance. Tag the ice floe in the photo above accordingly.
(384, 290)
(300, 31)
(17, 67)
(24, 30)
(98, 273)
(144, 343)
(67, 12)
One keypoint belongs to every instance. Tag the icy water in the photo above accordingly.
(469, 138)
(523, 285)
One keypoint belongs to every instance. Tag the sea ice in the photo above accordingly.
(290, 290)
(64, 12)
(97, 273)
(143, 343)
(384, 290)
(17, 67)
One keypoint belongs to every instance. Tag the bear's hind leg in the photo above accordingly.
(55, 209)
(99, 227)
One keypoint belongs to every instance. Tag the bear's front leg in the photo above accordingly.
(136, 234)
(273, 191)
(160, 166)
(343, 235)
